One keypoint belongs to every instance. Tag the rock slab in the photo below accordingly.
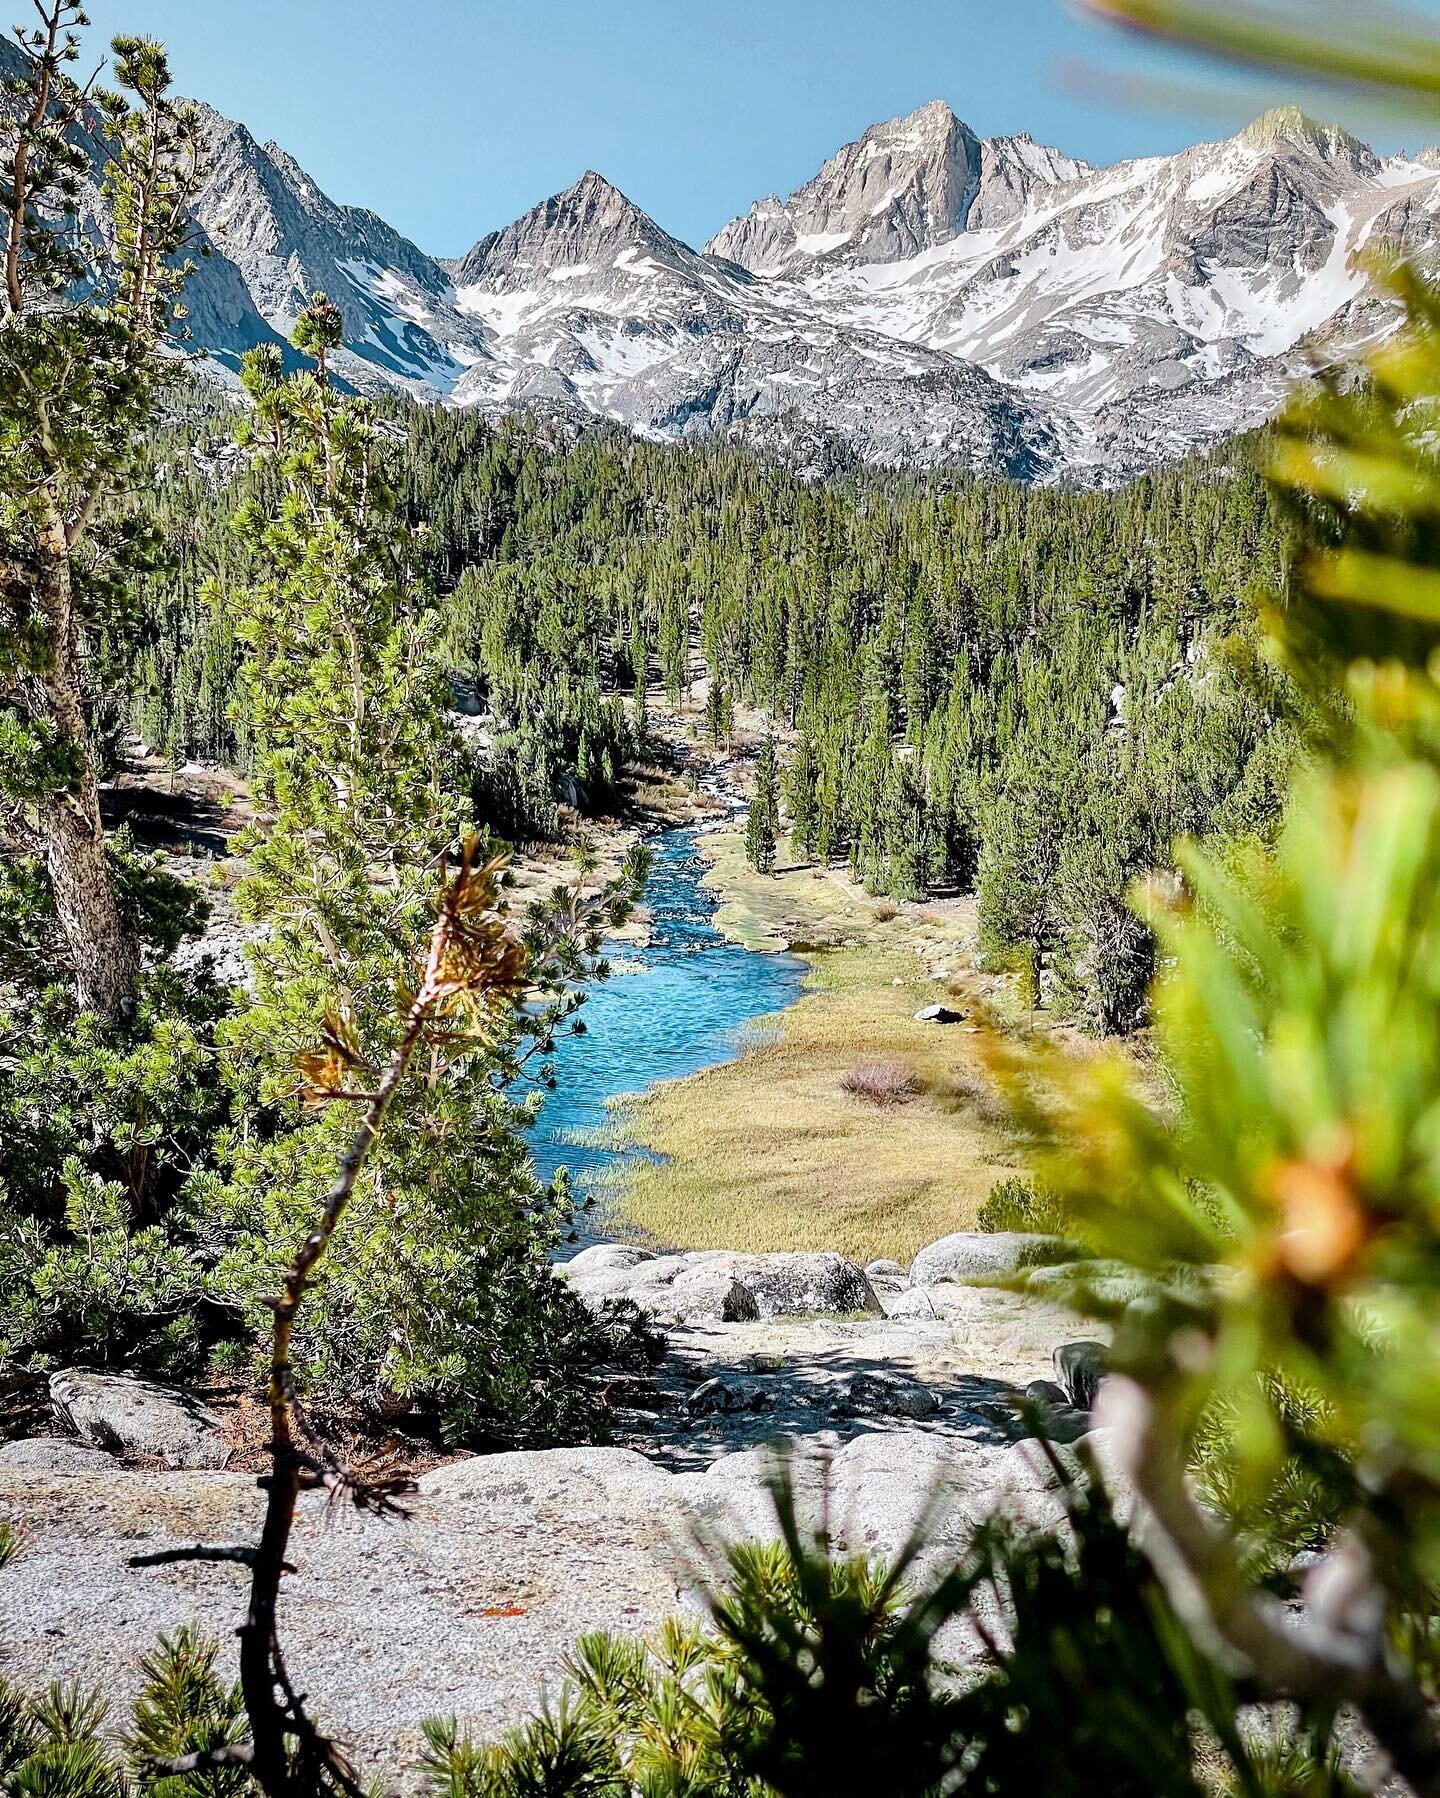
(976, 1254)
(137, 1418)
(473, 1603)
(719, 1286)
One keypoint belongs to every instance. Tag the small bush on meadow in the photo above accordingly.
(881, 1082)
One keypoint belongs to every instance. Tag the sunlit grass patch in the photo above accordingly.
(771, 1152)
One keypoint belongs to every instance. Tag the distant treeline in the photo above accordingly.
(1028, 693)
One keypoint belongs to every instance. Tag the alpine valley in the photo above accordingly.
(929, 299)
(719, 999)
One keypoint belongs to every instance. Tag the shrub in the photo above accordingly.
(881, 1082)
(1017, 1205)
(56, 1743)
(103, 1257)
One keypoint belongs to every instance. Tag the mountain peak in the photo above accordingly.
(1291, 124)
(906, 186)
(902, 187)
(593, 185)
(594, 196)
(932, 120)
(586, 225)
(929, 132)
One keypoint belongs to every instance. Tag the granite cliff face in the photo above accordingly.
(905, 187)
(930, 298)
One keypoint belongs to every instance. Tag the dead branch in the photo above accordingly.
(242, 1556)
(470, 962)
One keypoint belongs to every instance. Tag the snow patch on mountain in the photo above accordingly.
(928, 298)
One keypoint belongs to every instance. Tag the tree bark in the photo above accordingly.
(104, 955)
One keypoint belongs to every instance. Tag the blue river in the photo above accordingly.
(685, 1007)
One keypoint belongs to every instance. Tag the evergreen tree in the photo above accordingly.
(319, 329)
(110, 1095)
(715, 713)
(439, 1292)
(762, 825)
(77, 383)
(800, 795)
(640, 676)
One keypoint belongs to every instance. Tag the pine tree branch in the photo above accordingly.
(1317, 1658)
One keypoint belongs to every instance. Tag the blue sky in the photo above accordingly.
(450, 117)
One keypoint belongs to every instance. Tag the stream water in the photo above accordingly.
(685, 1007)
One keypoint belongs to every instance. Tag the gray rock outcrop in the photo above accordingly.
(472, 1605)
(885, 1394)
(54, 1454)
(137, 1418)
(607, 1257)
(974, 1254)
(719, 1286)
(787, 1285)
(1079, 1369)
(952, 1364)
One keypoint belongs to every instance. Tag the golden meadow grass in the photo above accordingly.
(770, 1151)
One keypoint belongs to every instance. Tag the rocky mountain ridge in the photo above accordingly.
(906, 186)
(263, 214)
(929, 298)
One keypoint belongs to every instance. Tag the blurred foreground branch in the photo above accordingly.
(1396, 52)
(1335, 1652)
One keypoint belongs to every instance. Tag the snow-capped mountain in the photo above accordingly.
(933, 297)
(594, 310)
(1143, 308)
(929, 298)
(270, 221)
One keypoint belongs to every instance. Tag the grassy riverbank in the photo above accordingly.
(772, 1151)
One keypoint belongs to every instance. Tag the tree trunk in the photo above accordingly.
(104, 955)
